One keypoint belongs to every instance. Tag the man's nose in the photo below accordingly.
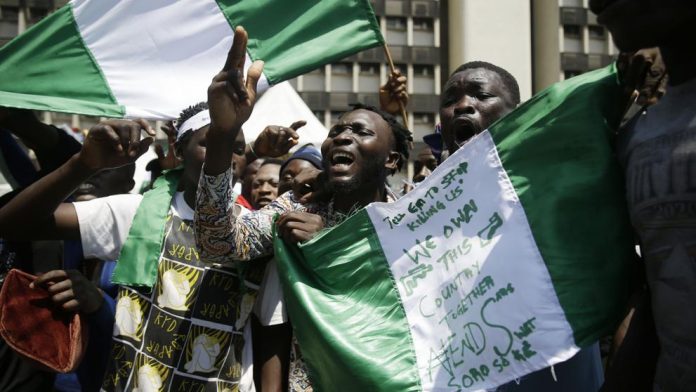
(266, 188)
(421, 174)
(344, 137)
(465, 106)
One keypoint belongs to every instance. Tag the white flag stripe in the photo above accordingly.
(158, 56)
(472, 301)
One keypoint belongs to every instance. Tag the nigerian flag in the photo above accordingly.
(152, 58)
(510, 257)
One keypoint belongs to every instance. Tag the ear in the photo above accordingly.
(393, 161)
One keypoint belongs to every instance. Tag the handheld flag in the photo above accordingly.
(511, 256)
(151, 59)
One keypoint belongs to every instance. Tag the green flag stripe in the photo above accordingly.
(54, 47)
(294, 37)
(559, 194)
(326, 308)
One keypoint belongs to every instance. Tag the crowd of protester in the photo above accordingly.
(69, 221)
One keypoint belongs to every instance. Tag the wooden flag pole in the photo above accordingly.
(393, 69)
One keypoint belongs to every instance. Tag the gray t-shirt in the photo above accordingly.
(658, 152)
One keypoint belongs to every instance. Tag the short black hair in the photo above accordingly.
(185, 115)
(190, 112)
(402, 136)
(272, 161)
(508, 80)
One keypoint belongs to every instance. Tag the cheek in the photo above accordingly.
(325, 146)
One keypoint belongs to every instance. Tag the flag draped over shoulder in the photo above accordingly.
(510, 257)
(151, 59)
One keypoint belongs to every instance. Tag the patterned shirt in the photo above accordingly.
(188, 331)
(221, 232)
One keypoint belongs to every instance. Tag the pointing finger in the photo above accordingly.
(237, 53)
(298, 124)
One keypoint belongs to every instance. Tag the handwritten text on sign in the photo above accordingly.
(477, 294)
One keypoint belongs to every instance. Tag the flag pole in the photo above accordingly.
(393, 69)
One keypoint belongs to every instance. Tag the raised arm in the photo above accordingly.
(38, 212)
(230, 101)
(52, 146)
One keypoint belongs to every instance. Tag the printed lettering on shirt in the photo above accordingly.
(219, 297)
(120, 367)
(232, 370)
(178, 335)
(166, 336)
(180, 245)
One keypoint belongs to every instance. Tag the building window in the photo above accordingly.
(37, 13)
(572, 39)
(423, 124)
(394, 7)
(314, 80)
(396, 31)
(572, 31)
(369, 69)
(422, 24)
(396, 23)
(403, 68)
(427, 71)
(342, 77)
(598, 41)
(596, 32)
(368, 79)
(571, 74)
(9, 13)
(341, 68)
(424, 79)
(423, 32)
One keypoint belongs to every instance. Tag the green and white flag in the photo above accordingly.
(152, 58)
(510, 257)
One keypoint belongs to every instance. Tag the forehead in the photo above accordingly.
(474, 76)
(369, 119)
(297, 165)
(268, 171)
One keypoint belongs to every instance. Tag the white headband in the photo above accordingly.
(198, 121)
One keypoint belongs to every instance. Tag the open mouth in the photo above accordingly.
(465, 128)
(264, 201)
(342, 159)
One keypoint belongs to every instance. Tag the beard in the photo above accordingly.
(373, 173)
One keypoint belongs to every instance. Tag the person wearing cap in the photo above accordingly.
(306, 157)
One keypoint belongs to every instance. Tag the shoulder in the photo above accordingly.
(117, 203)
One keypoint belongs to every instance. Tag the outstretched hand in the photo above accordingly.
(394, 93)
(275, 141)
(230, 97)
(115, 143)
(70, 290)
